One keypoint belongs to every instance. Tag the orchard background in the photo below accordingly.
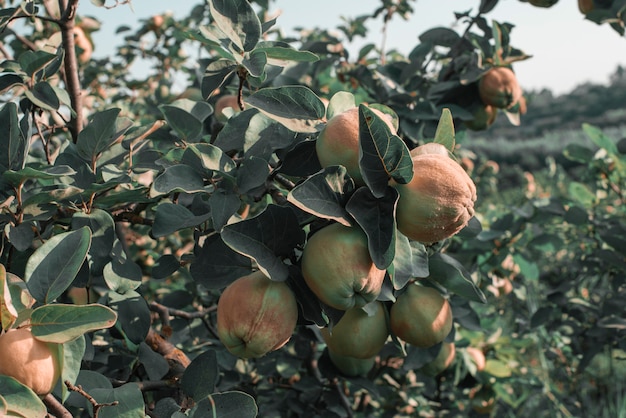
(128, 205)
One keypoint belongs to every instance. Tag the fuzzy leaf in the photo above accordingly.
(60, 323)
(325, 194)
(296, 107)
(53, 266)
(267, 238)
(445, 130)
(382, 154)
(375, 217)
(451, 274)
(238, 21)
(19, 400)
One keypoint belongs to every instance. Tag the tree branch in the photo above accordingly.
(95, 405)
(67, 23)
(176, 358)
(55, 407)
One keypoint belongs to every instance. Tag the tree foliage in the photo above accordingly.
(127, 207)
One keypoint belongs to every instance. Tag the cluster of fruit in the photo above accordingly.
(337, 266)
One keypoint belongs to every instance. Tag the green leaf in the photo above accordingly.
(43, 95)
(233, 135)
(16, 178)
(410, 261)
(296, 107)
(164, 266)
(53, 266)
(449, 273)
(497, 368)
(207, 157)
(487, 5)
(20, 400)
(129, 398)
(20, 236)
(177, 178)
(239, 22)
(102, 131)
(13, 144)
(33, 61)
(581, 193)
(155, 364)
(223, 206)
(133, 316)
(102, 228)
(216, 265)
(267, 238)
(445, 130)
(216, 74)
(171, 217)
(252, 173)
(232, 404)
(8, 81)
(60, 323)
(73, 352)
(528, 269)
(8, 313)
(255, 63)
(382, 154)
(200, 376)
(578, 153)
(597, 136)
(440, 36)
(325, 194)
(496, 33)
(285, 54)
(121, 274)
(376, 217)
(186, 117)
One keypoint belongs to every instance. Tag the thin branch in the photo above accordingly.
(147, 385)
(165, 312)
(345, 402)
(55, 407)
(44, 141)
(95, 405)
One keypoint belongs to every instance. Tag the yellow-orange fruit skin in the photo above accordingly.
(358, 334)
(82, 42)
(443, 360)
(499, 88)
(438, 201)
(429, 148)
(337, 267)
(338, 142)
(256, 315)
(421, 316)
(351, 366)
(30, 361)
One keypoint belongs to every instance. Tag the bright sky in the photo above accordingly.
(567, 50)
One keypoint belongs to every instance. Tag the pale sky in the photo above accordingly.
(567, 50)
